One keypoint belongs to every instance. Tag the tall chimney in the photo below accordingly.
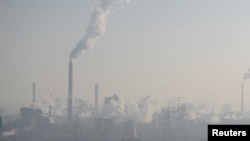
(33, 94)
(242, 98)
(70, 91)
(96, 99)
(50, 111)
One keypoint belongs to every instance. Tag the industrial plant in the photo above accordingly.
(109, 117)
(114, 120)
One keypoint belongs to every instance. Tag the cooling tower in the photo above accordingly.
(70, 91)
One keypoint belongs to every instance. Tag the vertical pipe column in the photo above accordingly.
(34, 93)
(242, 97)
(70, 83)
(96, 99)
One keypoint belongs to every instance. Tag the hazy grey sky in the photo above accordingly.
(164, 48)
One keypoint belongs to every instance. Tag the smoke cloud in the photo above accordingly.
(139, 112)
(97, 25)
(9, 133)
(114, 108)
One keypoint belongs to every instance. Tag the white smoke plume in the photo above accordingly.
(45, 101)
(83, 109)
(139, 112)
(97, 25)
(149, 109)
(114, 108)
(144, 110)
(9, 133)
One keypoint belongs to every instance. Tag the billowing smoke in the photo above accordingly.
(139, 112)
(45, 101)
(114, 108)
(9, 133)
(97, 26)
(83, 109)
(144, 110)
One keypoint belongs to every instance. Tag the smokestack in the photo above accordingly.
(70, 91)
(0, 122)
(96, 99)
(33, 94)
(242, 97)
(50, 110)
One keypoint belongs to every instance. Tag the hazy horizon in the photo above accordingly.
(164, 49)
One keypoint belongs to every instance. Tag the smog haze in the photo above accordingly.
(162, 49)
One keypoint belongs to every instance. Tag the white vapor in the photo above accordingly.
(96, 27)
(9, 133)
(139, 112)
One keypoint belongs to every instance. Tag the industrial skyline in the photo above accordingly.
(163, 49)
(123, 70)
(180, 119)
